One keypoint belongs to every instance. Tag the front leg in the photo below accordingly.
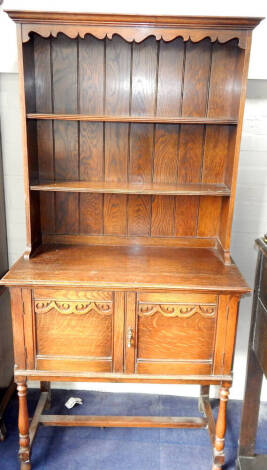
(219, 456)
(23, 424)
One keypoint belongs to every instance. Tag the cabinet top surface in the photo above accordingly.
(26, 16)
(131, 267)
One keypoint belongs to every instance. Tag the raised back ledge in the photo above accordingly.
(134, 27)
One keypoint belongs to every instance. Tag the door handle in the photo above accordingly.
(130, 336)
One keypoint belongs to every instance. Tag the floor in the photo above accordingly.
(124, 449)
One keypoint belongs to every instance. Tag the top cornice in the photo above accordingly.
(225, 22)
(134, 27)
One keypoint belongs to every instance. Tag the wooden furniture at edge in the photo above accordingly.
(131, 131)
(256, 368)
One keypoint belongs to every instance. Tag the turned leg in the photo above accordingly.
(220, 430)
(23, 424)
(45, 387)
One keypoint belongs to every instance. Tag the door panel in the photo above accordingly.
(74, 330)
(173, 333)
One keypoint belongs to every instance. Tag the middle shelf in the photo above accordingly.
(193, 189)
(153, 119)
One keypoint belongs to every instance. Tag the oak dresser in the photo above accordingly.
(131, 136)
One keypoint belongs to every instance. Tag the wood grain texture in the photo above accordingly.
(91, 152)
(73, 365)
(91, 214)
(133, 241)
(91, 75)
(170, 78)
(176, 339)
(221, 428)
(29, 328)
(45, 149)
(86, 336)
(27, 59)
(176, 368)
(115, 214)
(137, 119)
(162, 223)
(29, 143)
(113, 377)
(231, 333)
(227, 22)
(118, 63)
(45, 138)
(134, 188)
(118, 332)
(216, 154)
(23, 424)
(221, 331)
(135, 27)
(177, 297)
(149, 267)
(71, 294)
(141, 153)
(67, 213)
(116, 152)
(196, 78)
(130, 325)
(18, 328)
(186, 213)
(123, 421)
(190, 156)
(66, 150)
(66, 166)
(144, 77)
(47, 212)
(165, 156)
(42, 65)
(139, 215)
(227, 218)
(225, 81)
(117, 100)
(64, 58)
(209, 216)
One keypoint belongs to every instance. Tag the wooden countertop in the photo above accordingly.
(127, 267)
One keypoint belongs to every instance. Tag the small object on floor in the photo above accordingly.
(72, 401)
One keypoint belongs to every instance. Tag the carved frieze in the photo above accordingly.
(131, 33)
(67, 308)
(177, 310)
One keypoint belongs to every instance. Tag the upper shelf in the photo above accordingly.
(140, 119)
(134, 188)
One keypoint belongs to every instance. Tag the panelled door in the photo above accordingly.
(170, 333)
(74, 329)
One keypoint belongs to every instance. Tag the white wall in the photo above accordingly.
(250, 219)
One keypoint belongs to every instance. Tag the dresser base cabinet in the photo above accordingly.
(73, 334)
(131, 131)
